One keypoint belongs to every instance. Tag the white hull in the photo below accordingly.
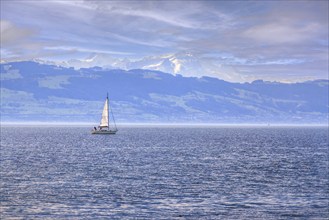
(104, 132)
(105, 121)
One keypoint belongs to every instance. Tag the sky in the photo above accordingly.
(237, 41)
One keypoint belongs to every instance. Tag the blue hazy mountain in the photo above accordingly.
(31, 91)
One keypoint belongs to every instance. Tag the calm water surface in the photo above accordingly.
(165, 173)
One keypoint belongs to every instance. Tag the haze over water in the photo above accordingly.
(165, 173)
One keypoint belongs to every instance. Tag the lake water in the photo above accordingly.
(165, 173)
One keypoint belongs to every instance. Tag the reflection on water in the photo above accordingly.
(165, 173)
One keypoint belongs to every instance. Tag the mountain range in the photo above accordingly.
(32, 91)
(184, 63)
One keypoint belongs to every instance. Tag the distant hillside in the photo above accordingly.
(38, 92)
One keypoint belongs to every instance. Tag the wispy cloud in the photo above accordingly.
(179, 14)
(12, 34)
(273, 34)
(17, 40)
(84, 50)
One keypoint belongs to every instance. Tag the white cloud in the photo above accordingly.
(279, 33)
(255, 33)
(18, 42)
(85, 50)
(169, 13)
(12, 35)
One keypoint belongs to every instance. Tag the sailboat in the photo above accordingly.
(104, 127)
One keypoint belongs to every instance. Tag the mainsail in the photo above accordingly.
(104, 127)
(105, 115)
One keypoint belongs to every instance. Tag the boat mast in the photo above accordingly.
(108, 113)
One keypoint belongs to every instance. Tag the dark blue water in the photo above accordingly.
(165, 173)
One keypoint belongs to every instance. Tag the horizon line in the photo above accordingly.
(159, 124)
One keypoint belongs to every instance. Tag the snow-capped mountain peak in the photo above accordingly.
(183, 63)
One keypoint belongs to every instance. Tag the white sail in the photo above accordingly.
(105, 115)
(105, 120)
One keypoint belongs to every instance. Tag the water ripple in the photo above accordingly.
(164, 173)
